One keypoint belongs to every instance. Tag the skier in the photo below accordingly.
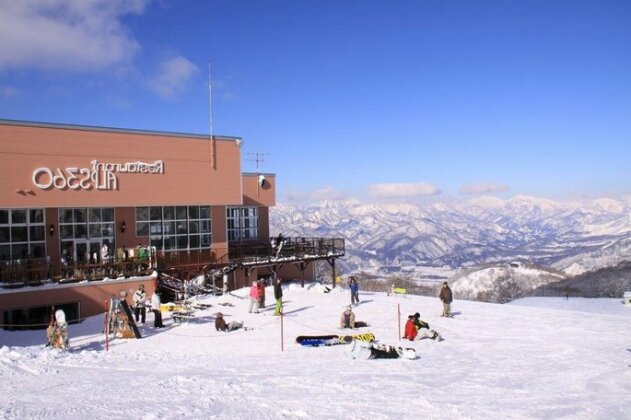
(423, 328)
(354, 287)
(446, 297)
(220, 324)
(261, 291)
(278, 295)
(139, 303)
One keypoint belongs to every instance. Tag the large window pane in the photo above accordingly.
(182, 242)
(5, 252)
(4, 217)
(79, 215)
(155, 213)
(193, 212)
(142, 229)
(155, 228)
(169, 213)
(19, 234)
(142, 214)
(36, 216)
(180, 213)
(181, 228)
(194, 241)
(65, 216)
(66, 232)
(204, 212)
(5, 234)
(107, 214)
(95, 230)
(36, 233)
(193, 227)
(95, 215)
(18, 216)
(38, 250)
(80, 231)
(169, 228)
(19, 251)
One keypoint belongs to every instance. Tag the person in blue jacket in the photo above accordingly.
(354, 287)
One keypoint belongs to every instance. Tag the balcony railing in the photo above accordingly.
(31, 272)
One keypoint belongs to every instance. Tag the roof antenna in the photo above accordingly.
(260, 179)
(210, 120)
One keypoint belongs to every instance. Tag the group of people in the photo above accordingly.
(257, 296)
(140, 306)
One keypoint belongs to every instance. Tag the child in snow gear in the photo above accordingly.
(354, 287)
(139, 304)
(261, 291)
(446, 297)
(220, 323)
(347, 320)
(254, 298)
(278, 295)
(423, 328)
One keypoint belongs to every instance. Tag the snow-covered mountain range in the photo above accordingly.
(573, 237)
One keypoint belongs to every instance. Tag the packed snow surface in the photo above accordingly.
(542, 358)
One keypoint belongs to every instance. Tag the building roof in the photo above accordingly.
(114, 130)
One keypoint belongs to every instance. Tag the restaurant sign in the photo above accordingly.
(100, 176)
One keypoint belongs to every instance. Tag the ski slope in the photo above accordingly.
(542, 358)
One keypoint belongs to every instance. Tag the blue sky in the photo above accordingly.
(370, 99)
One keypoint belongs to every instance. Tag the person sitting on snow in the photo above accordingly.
(220, 324)
(347, 320)
(410, 329)
(423, 329)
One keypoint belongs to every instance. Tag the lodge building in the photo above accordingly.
(79, 203)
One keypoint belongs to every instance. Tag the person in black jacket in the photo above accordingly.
(278, 295)
(446, 297)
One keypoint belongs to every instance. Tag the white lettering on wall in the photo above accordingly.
(100, 176)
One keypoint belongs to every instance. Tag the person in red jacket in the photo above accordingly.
(410, 329)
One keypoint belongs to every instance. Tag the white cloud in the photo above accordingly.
(66, 34)
(172, 77)
(420, 189)
(324, 193)
(483, 188)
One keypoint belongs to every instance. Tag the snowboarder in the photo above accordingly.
(140, 310)
(354, 287)
(446, 297)
(423, 329)
(369, 350)
(220, 324)
(410, 329)
(278, 295)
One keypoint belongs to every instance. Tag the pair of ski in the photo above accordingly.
(332, 339)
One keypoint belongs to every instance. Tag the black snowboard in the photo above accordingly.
(130, 318)
(318, 340)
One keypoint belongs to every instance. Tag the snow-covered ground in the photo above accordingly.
(536, 358)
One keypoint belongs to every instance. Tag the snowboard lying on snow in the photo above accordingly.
(332, 339)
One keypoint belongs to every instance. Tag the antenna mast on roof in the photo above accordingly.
(260, 179)
(210, 120)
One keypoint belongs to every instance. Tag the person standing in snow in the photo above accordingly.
(140, 297)
(155, 308)
(446, 297)
(278, 295)
(354, 287)
(220, 324)
(254, 298)
(261, 291)
(423, 328)
(104, 254)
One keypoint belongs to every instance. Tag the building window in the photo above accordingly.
(243, 223)
(175, 227)
(22, 234)
(83, 231)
